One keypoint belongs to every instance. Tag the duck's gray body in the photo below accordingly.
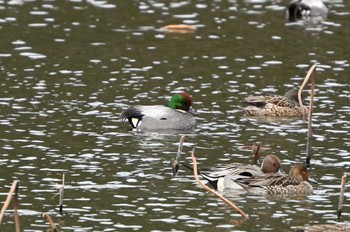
(177, 115)
(301, 9)
(317, 7)
(158, 117)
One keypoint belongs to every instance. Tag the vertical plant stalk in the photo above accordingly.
(312, 71)
(52, 224)
(176, 162)
(195, 172)
(61, 195)
(341, 196)
(16, 207)
(13, 189)
(256, 152)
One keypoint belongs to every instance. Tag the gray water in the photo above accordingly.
(68, 68)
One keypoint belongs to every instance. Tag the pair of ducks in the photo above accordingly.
(179, 115)
(267, 179)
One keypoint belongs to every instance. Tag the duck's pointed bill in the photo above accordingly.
(192, 111)
(311, 180)
(280, 170)
(306, 103)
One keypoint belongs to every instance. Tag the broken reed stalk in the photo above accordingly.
(176, 161)
(61, 195)
(211, 190)
(13, 189)
(312, 71)
(341, 196)
(16, 207)
(52, 224)
(256, 151)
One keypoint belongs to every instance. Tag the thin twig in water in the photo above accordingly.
(312, 72)
(176, 162)
(61, 193)
(211, 190)
(52, 224)
(256, 151)
(13, 189)
(341, 196)
(16, 207)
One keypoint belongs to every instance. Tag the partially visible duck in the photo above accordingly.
(301, 9)
(343, 227)
(225, 176)
(276, 105)
(177, 115)
(296, 183)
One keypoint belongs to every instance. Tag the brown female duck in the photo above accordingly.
(296, 183)
(276, 105)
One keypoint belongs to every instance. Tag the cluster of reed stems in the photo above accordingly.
(14, 194)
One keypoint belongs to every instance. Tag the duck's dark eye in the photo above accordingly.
(163, 119)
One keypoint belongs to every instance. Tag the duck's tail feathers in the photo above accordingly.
(212, 180)
(133, 115)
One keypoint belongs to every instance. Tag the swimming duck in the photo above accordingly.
(177, 115)
(342, 227)
(221, 177)
(276, 105)
(300, 9)
(279, 183)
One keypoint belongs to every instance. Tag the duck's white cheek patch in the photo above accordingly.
(181, 111)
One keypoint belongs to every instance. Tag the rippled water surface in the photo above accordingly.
(68, 68)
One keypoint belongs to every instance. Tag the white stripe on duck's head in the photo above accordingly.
(182, 102)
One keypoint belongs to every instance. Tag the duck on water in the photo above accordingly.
(176, 115)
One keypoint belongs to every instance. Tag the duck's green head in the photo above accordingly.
(181, 101)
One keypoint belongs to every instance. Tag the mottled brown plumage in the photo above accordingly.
(276, 105)
(279, 183)
(326, 228)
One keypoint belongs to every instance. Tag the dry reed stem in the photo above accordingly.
(256, 151)
(61, 194)
(179, 149)
(52, 224)
(195, 172)
(312, 71)
(13, 189)
(307, 77)
(341, 196)
(176, 161)
(16, 207)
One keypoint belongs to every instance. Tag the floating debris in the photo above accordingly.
(180, 28)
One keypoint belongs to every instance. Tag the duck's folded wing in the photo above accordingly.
(135, 114)
(157, 112)
(234, 169)
(222, 170)
(282, 101)
(261, 101)
(264, 180)
(275, 179)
